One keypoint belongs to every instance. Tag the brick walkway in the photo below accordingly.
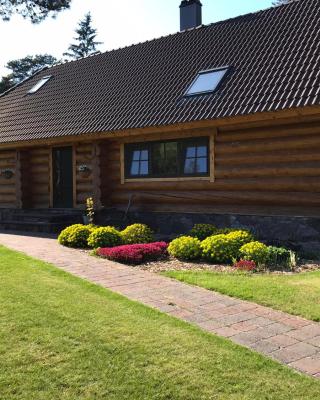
(291, 340)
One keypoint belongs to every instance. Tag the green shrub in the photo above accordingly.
(105, 237)
(75, 236)
(255, 251)
(136, 234)
(281, 257)
(238, 239)
(202, 231)
(185, 248)
(226, 231)
(219, 249)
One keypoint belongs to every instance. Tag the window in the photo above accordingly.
(140, 162)
(39, 85)
(167, 159)
(206, 81)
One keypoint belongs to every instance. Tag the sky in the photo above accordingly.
(119, 23)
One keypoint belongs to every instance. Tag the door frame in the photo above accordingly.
(74, 172)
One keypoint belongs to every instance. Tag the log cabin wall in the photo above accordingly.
(86, 184)
(257, 170)
(9, 187)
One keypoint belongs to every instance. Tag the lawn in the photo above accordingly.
(64, 338)
(297, 294)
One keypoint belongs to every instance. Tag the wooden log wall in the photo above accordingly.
(87, 185)
(257, 170)
(9, 187)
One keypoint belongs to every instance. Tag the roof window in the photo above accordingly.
(206, 81)
(39, 85)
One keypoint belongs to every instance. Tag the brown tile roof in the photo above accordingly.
(275, 60)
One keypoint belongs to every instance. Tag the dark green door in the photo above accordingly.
(62, 177)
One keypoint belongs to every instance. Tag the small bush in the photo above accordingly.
(245, 265)
(137, 234)
(185, 248)
(237, 240)
(105, 237)
(281, 257)
(219, 249)
(255, 251)
(202, 231)
(75, 236)
(135, 253)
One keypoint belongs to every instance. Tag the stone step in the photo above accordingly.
(26, 226)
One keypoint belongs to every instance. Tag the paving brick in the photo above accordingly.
(295, 352)
(314, 341)
(264, 346)
(309, 365)
(283, 340)
(305, 333)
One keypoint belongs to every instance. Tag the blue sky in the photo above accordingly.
(119, 23)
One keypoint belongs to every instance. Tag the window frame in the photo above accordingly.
(182, 144)
(37, 86)
(204, 72)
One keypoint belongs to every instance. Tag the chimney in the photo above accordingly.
(190, 14)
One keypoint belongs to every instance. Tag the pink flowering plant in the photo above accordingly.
(245, 265)
(135, 253)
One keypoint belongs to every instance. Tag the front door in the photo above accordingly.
(62, 171)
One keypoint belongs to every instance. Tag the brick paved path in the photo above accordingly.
(291, 340)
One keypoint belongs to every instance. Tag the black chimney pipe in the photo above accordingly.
(190, 14)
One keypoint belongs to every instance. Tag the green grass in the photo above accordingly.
(296, 294)
(64, 338)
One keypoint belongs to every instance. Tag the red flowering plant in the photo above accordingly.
(135, 253)
(245, 265)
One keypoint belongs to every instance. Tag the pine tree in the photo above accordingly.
(86, 43)
(35, 10)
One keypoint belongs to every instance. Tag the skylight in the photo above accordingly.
(207, 81)
(39, 85)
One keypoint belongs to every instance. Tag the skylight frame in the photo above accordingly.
(35, 88)
(225, 68)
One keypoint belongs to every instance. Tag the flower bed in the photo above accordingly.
(135, 253)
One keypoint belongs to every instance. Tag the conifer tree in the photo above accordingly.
(85, 40)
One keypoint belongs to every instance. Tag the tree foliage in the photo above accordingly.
(24, 68)
(85, 40)
(34, 10)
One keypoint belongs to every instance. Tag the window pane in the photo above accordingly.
(144, 155)
(207, 81)
(201, 151)
(191, 152)
(201, 165)
(190, 166)
(164, 159)
(136, 155)
(144, 168)
(134, 168)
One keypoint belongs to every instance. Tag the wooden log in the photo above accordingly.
(270, 132)
(268, 145)
(269, 158)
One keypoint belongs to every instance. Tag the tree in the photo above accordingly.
(24, 68)
(86, 43)
(35, 10)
